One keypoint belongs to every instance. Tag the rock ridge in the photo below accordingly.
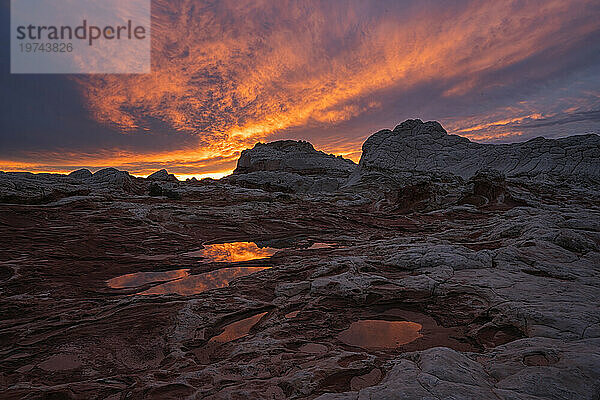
(415, 146)
(293, 156)
(290, 166)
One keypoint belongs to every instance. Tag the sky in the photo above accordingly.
(229, 73)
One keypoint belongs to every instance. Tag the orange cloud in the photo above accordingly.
(232, 73)
(233, 78)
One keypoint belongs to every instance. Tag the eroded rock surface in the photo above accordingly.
(414, 146)
(291, 166)
(292, 156)
(501, 275)
(162, 175)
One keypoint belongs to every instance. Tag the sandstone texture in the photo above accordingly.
(414, 146)
(25, 187)
(499, 266)
(162, 175)
(291, 166)
(292, 156)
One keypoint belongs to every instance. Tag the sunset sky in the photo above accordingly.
(229, 73)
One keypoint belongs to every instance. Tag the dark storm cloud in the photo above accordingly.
(592, 116)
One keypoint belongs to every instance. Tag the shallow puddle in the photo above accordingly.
(247, 251)
(193, 284)
(292, 314)
(142, 278)
(237, 329)
(232, 252)
(315, 246)
(379, 334)
(181, 282)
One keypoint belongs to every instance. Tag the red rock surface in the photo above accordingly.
(505, 293)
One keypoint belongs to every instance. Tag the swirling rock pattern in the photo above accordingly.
(414, 146)
(501, 273)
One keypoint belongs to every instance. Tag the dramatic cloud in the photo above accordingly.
(228, 73)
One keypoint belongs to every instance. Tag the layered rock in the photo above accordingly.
(112, 177)
(290, 166)
(415, 147)
(487, 187)
(28, 188)
(298, 157)
(80, 174)
(25, 187)
(419, 166)
(504, 298)
(162, 176)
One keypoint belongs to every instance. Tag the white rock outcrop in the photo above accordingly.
(414, 147)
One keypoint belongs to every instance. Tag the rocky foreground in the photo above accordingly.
(436, 268)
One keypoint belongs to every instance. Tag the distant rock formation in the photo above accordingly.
(28, 188)
(163, 176)
(290, 166)
(81, 174)
(417, 166)
(414, 147)
(113, 177)
(293, 156)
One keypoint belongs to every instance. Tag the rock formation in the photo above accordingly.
(481, 280)
(28, 188)
(291, 166)
(112, 177)
(420, 165)
(415, 147)
(162, 176)
(297, 157)
(80, 174)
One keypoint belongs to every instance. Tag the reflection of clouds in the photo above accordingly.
(381, 334)
(236, 251)
(202, 282)
(237, 329)
(141, 278)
